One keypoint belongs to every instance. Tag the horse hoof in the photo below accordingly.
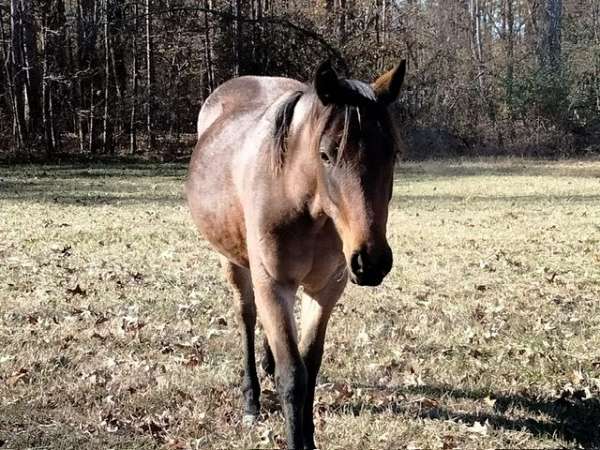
(249, 420)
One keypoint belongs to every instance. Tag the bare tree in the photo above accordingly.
(89, 75)
(596, 28)
(28, 49)
(106, 120)
(7, 58)
(477, 43)
(508, 20)
(237, 42)
(549, 49)
(46, 114)
(149, 76)
(18, 72)
(210, 76)
(71, 70)
(134, 83)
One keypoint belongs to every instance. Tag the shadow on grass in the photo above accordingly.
(130, 183)
(503, 167)
(131, 188)
(86, 192)
(570, 418)
(516, 199)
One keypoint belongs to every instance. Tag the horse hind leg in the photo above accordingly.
(245, 312)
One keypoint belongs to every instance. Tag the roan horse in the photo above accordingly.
(290, 183)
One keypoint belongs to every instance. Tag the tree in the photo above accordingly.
(149, 76)
(104, 76)
(134, 83)
(549, 20)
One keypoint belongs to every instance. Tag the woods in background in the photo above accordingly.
(127, 77)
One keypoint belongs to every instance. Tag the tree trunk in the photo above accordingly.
(92, 119)
(549, 50)
(45, 86)
(89, 75)
(342, 22)
(477, 45)
(134, 84)
(32, 82)
(18, 73)
(596, 26)
(237, 45)
(107, 143)
(210, 77)
(57, 47)
(9, 75)
(149, 76)
(119, 69)
(510, 63)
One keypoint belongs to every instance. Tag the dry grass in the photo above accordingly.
(116, 329)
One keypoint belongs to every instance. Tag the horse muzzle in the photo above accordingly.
(369, 267)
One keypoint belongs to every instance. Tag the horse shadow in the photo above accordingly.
(571, 417)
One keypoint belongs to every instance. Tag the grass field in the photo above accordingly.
(116, 329)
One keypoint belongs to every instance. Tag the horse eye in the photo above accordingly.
(325, 157)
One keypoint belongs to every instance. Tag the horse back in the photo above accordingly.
(248, 93)
(228, 125)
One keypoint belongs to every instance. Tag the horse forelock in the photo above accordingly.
(357, 93)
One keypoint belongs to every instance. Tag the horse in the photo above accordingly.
(290, 183)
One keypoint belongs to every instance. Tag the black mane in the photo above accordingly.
(351, 93)
(283, 121)
(355, 93)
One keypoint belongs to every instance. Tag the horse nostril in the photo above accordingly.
(357, 263)
(361, 261)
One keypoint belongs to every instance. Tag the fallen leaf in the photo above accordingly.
(176, 444)
(491, 402)
(132, 324)
(15, 377)
(577, 377)
(77, 290)
(478, 428)
(191, 361)
(219, 321)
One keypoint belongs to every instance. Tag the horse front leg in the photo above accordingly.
(275, 302)
(245, 312)
(316, 310)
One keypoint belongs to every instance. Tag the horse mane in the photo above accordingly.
(356, 94)
(283, 121)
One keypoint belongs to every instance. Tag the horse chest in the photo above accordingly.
(304, 252)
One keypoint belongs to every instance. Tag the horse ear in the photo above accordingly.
(327, 83)
(387, 86)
